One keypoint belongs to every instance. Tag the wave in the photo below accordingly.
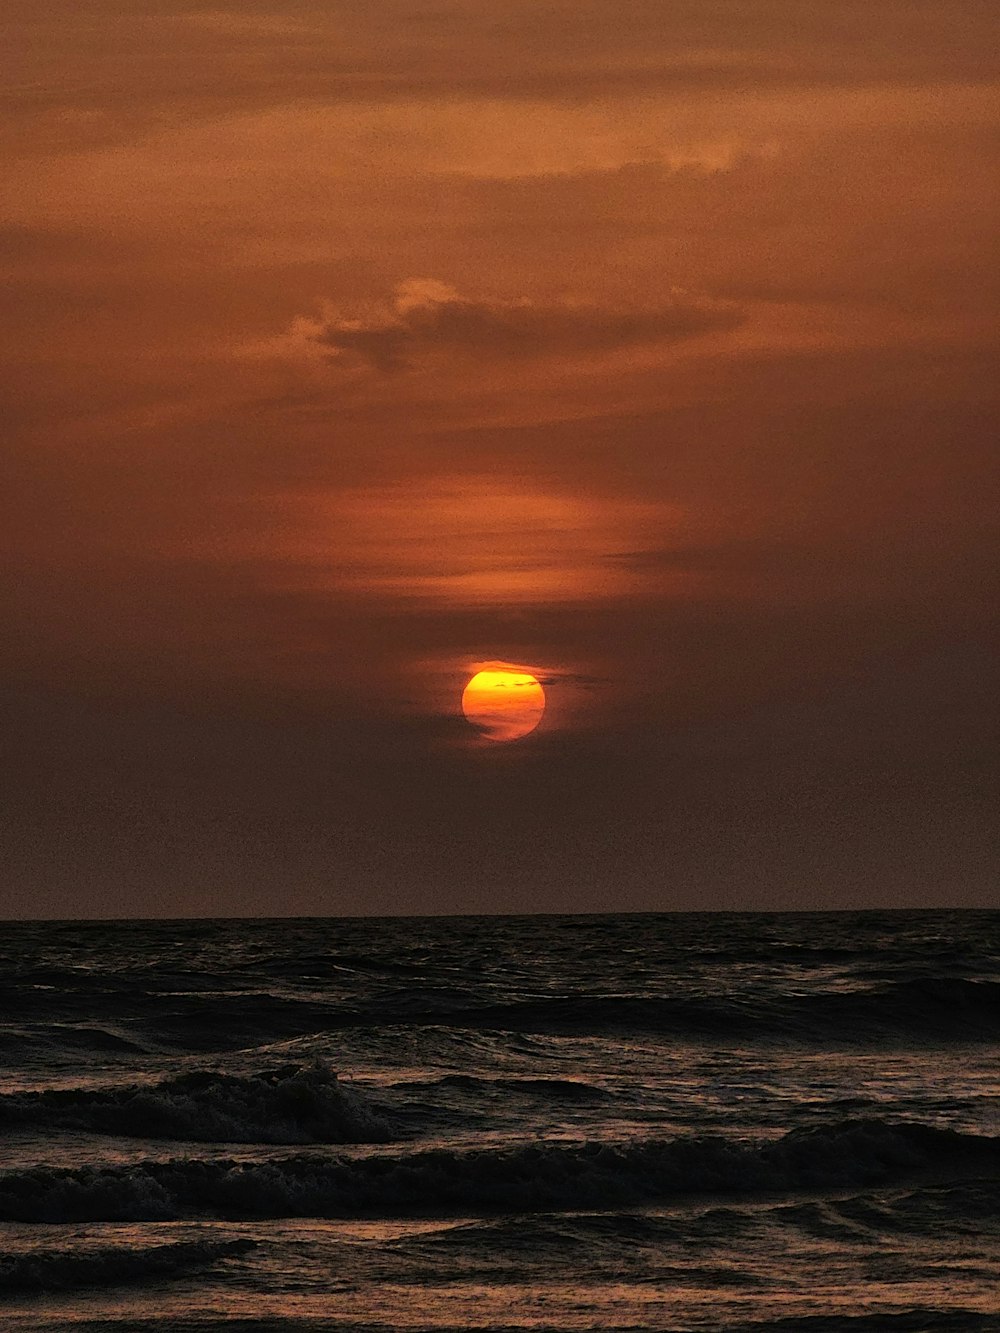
(110, 1266)
(926, 1009)
(540, 1177)
(546, 1089)
(923, 1009)
(971, 1207)
(288, 1104)
(44, 1040)
(48, 1270)
(327, 964)
(233, 1021)
(625, 1237)
(931, 1009)
(923, 1320)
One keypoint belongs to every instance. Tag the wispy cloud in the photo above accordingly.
(425, 316)
(466, 541)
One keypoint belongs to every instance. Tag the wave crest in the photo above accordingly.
(538, 1177)
(287, 1104)
(109, 1266)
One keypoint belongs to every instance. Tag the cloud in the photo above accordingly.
(425, 317)
(467, 540)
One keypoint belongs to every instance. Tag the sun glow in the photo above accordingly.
(503, 704)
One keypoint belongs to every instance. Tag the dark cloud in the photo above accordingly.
(427, 316)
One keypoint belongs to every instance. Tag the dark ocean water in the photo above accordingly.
(741, 1122)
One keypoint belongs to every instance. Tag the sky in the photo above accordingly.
(645, 348)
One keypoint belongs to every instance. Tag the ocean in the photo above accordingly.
(644, 1122)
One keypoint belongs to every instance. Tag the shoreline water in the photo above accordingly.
(658, 1121)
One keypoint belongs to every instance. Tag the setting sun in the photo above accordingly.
(503, 704)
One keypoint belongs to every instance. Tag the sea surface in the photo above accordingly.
(646, 1122)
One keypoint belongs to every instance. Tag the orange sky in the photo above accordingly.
(649, 347)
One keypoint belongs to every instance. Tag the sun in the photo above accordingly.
(503, 704)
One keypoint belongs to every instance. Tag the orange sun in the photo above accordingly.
(504, 704)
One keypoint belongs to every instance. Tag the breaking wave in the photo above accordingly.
(287, 1104)
(543, 1176)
